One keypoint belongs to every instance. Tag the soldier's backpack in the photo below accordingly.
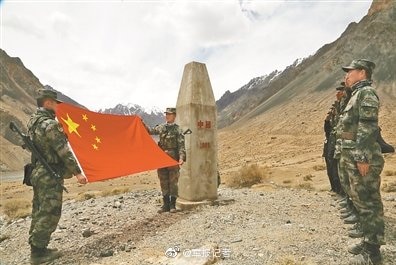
(27, 174)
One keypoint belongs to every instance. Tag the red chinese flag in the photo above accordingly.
(109, 146)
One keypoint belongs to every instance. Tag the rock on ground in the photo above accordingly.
(281, 226)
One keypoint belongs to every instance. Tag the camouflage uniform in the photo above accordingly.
(358, 133)
(172, 142)
(48, 136)
(329, 147)
(344, 180)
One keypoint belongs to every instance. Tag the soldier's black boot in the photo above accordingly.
(43, 255)
(345, 214)
(356, 231)
(343, 203)
(173, 204)
(370, 254)
(345, 210)
(166, 205)
(352, 219)
(357, 248)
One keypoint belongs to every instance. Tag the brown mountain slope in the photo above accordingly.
(374, 37)
(292, 102)
(17, 86)
(286, 129)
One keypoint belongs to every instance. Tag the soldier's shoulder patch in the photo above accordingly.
(369, 98)
(369, 92)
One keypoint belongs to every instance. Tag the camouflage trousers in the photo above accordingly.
(332, 173)
(169, 176)
(344, 179)
(366, 196)
(47, 207)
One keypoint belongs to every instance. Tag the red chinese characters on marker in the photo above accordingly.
(204, 145)
(204, 125)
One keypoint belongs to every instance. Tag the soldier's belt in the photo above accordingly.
(348, 136)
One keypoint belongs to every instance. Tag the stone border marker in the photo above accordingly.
(196, 110)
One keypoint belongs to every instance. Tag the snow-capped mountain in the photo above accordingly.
(151, 117)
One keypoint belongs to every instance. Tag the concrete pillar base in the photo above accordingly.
(189, 205)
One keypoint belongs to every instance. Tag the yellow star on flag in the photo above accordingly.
(72, 126)
(93, 127)
(85, 117)
(97, 139)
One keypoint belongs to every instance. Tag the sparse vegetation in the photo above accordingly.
(115, 191)
(104, 193)
(287, 181)
(389, 187)
(390, 172)
(248, 175)
(18, 208)
(308, 177)
(4, 237)
(85, 196)
(305, 186)
(319, 167)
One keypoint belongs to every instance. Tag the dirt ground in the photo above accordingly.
(294, 162)
(286, 158)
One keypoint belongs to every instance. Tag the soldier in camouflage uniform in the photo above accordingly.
(48, 137)
(329, 146)
(171, 140)
(348, 211)
(361, 160)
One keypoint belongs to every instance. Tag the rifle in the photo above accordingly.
(30, 145)
(188, 131)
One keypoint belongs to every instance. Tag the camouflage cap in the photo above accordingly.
(47, 93)
(171, 110)
(340, 88)
(360, 64)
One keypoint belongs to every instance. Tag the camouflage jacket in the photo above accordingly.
(171, 140)
(335, 114)
(339, 108)
(50, 140)
(337, 126)
(344, 101)
(358, 126)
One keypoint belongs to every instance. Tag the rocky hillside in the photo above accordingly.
(17, 89)
(232, 106)
(315, 77)
(150, 117)
(17, 86)
(281, 102)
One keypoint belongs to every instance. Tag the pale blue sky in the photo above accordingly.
(106, 52)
